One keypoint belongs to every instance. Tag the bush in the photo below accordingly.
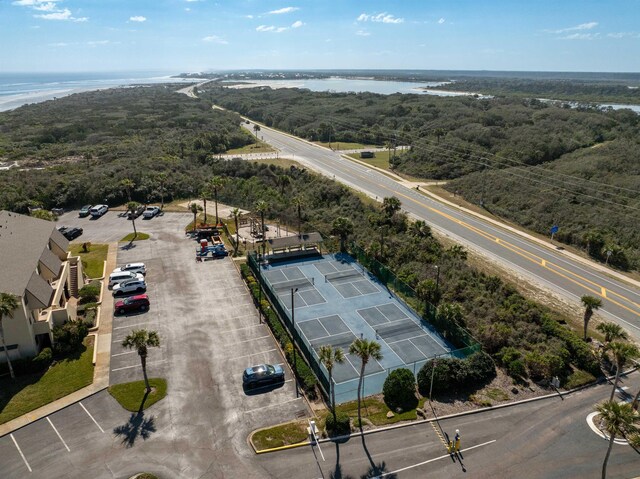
(42, 360)
(68, 337)
(517, 369)
(399, 390)
(453, 375)
(89, 293)
(480, 369)
(340, 427)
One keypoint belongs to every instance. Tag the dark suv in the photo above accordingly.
(262, 375)
(139, 302)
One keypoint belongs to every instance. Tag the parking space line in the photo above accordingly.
(129, 326)
(56, 431)
(20, 451)
(139, 365)
(252, 354)
(122, 354)
(92, 418)
(239, 329)
(248, 340)
(273, 405)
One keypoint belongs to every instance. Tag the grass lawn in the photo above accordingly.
(93, 260)
(375, 410)
(343, 145)
(29, 392)
(278, 436)
(381, 159)
(130, 395)
(139, 237)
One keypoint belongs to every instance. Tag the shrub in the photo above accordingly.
(399, 390)
(340, 427)
(517, 369)
(452, 374)
(89, 293)
(480, 369)
(42, 360)
(68, 337)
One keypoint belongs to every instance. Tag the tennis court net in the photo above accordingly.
(351, 273)
(294, 283)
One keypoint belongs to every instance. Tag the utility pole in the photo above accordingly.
(293, 336)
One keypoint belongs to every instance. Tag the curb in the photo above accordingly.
(449, 416)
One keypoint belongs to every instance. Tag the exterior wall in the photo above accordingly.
(19, 330)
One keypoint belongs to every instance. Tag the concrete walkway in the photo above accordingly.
(102, 353)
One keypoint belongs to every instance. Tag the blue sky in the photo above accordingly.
(201, 35)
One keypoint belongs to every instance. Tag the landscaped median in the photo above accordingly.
(138, 237)
(133, 396)
(92, 256)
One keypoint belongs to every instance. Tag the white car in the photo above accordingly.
(151, 211)
(119, 276)
(132, 267)
(130, 286)
(98, 210)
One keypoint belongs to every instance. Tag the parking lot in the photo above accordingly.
(209, 332)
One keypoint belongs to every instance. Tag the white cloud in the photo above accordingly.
(50, 6)
(138, 18)
(215, 39)
(271, 28)
(187, 9)
(33, 3)
(61, 15)
(441, 21)
(59, 44)
(624, 35)
(94, 43)
(297, 24)
(249, 16)
(363, 33)
(582, 26)
(379, 18)
(45, 7)
(581, 36)
(283, 10)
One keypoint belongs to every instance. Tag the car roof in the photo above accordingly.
(257, 369)
(85, 206)
(133, 265)
(137, 297)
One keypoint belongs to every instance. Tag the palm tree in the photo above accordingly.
(590, 305)
(427, 290)
(141, 340)
(420, 229)
(390, 205)
(203, 196)
(162, 181)
(342, 227)
(365, 349)
(438, 132)
(298, 202)
(216, 183)
(330, 356)
(128, 186)
(612, 331)
(235, 214)
(622, 352)
(451, 314)
(283, 181)
(8, 304)
(618, 420)
(457, 252)
(132, 207)
(256, 129)
(261, 207)
(195, 208)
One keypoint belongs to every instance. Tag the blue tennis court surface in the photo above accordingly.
(336, 301)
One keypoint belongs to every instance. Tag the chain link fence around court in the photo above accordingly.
(372, 383)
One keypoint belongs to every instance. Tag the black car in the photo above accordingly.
(84, 211)
(262, 375)
(72, 233)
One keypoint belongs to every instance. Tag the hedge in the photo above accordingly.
(453, 375)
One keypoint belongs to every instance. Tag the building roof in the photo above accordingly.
(297, 240)
(22, 242)
(40, 289)
(51, 261)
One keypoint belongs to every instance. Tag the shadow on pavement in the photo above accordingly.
(337, 470)
(136, 426)
(375, 470)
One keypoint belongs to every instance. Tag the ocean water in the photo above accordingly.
(17, 89)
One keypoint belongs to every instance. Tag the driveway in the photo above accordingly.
(209, 332)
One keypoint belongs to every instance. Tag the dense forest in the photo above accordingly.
(88, 142)
(542, 164)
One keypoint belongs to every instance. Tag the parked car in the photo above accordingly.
(98, 210)
(63, 229)
(84, 211)
(132, 215)
(57, 211)
(262, 375)
(72, 233)
(120, 276)
(151, 211)
(133, 268)
(130, 286)
(139, 302)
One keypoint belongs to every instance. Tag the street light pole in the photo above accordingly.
(433, 370)
(293, 336)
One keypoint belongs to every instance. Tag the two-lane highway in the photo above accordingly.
(553, 270)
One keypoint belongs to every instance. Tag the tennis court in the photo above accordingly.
(336, 301)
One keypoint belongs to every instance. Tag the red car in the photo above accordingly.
(139, 302)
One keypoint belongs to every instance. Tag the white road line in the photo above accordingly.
(138, 365)
(273, 405)
(248, 340)
(122, 354)
(54, 428)
(20, 451)
(253, 354)
(92, 418)
(130, 326)
(393, 473)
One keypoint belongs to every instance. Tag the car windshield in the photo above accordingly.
(270, 369)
